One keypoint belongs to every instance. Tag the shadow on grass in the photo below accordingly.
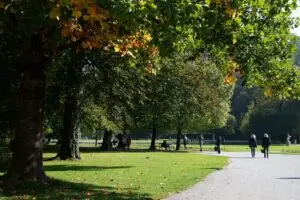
(59, 189)
(54, 149)
(80, 168)
(213, 168)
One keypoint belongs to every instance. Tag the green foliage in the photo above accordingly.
(277, 118)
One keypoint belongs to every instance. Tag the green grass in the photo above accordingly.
(144, 144)
(119, 175)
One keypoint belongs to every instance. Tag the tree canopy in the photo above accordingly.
(113, 61)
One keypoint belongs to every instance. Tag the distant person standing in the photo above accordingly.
(185, 141)
(288, 141)
(218, 144)
(201, 141)
(252, 144)
(266, 142)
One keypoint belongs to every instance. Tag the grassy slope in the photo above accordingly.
(148, 175)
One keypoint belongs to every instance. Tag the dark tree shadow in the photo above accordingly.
(213, 168)
(80, 168)
(289, 178)
(54, 149)
(58, 189)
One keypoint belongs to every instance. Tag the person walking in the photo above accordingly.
(252, 144)
(201, 141)
(218, 144)
(185, 141)
(266, 142)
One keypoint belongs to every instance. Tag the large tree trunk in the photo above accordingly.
(27, 145)
(106, 143)
(154, 134)
(69, 136)
(178, 139)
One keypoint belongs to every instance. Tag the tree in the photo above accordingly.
(200, 95)
(34, 36)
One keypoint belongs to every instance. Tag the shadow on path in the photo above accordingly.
(289, 178)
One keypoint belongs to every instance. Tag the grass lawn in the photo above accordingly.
(121, 175)
(144, 144)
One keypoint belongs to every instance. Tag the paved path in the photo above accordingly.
(276, 178)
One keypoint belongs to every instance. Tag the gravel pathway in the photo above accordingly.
(245, 178)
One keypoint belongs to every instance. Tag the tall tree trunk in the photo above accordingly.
(70, 134)
(106, 143)
(96, 140)
(27, 145)
(178, 139)
(154, 135)
(69, 147)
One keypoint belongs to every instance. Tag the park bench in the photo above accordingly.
(165, 145)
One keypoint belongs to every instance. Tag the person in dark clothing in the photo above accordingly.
(185, 141)
(218, 144)
(201, 141)
(266, 142)
(252, 144)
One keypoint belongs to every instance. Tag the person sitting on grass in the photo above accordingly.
(165, 145)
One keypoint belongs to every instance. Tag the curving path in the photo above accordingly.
(245, 178)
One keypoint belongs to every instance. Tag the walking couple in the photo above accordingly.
(266, 142)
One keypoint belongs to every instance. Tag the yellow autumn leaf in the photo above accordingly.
(117, 48)
(1, 5)
(86, 17)
(55, 13)
(230, 79)
(65, 32)
(216, 1)
(268, 92)
(231, 12)
(76, 13)
(92, 10)
(79, 3)
(147, 37)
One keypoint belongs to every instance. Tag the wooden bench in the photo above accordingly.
(167, 147)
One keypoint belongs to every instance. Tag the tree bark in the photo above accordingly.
(106, 143)
(178, 139)
(154, 135)
(27, 145)
(70, 134)
(96, 140)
